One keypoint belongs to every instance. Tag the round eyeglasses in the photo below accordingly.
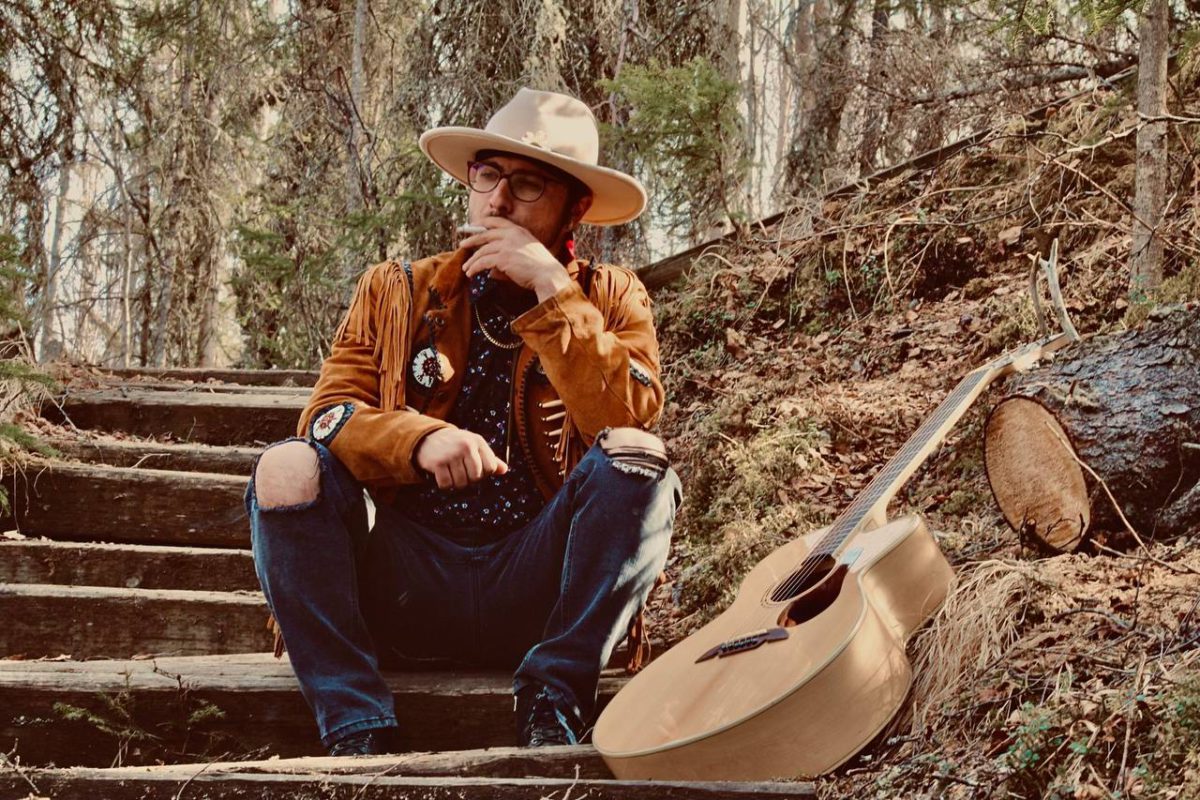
(525, 185)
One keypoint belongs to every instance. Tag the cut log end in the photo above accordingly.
(1034, 475)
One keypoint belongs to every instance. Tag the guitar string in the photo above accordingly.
(842, 528)
(848, 521)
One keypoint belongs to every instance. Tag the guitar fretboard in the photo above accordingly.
(888, 480)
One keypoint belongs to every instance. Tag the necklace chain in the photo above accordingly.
(483, 329)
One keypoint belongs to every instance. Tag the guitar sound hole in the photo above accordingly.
(816, 593)
(806, 576)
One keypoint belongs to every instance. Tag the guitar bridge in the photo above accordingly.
(750, 641)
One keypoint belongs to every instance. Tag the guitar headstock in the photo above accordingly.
(1026, 357)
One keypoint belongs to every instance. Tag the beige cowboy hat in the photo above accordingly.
(552, 128)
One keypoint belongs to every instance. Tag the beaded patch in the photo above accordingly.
(640, 373)
(327, 424)
(430, 366)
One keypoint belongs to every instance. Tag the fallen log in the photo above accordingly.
(1117, 412)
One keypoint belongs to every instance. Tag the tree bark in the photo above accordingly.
(1128, 405)
(815, 137)
(1150, 190)
(354, 198)
(874, 125)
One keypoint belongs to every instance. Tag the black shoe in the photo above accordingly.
(373, 742)
(542, 722)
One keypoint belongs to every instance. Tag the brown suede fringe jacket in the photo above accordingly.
(588, 361)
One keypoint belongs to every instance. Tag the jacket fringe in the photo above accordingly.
(381, 295)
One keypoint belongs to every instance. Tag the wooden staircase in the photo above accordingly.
(135, 655)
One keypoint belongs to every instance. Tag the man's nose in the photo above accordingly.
(501, 199)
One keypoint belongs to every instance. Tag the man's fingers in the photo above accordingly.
(479, 261)
(458, 473)
(492, 465)
(474, 465)
(480, 239)
(442, 474)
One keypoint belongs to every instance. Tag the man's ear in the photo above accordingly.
(581, 207)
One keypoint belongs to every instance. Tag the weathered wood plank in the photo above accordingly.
(156, 455)
(116, 384)
(568, 761)
(122, 784)
(249, 377)
(128, 566)
(109, 622)
(253, 708)
(209, 417)
(76, 502)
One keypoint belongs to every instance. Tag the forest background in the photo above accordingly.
(201, 183)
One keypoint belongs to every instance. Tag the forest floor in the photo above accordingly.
(799, 360)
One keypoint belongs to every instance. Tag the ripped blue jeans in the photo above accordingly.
(551, 600)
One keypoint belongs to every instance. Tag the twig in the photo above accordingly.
(887, 272)
(846, 280)
(191, 778)
(1137, 682)
(5, 759)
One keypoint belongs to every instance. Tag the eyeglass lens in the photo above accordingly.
(526, 186)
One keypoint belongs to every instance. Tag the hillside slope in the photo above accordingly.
(800, 358)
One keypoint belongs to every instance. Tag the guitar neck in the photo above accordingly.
(872, 502)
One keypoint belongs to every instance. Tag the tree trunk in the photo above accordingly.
(873, 126)
(354, 197)
(815, 138)
(52, 344)
(1127, 404)
(1150, 192)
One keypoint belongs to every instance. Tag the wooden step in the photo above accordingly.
(195, 781)
(220, 418)
(76, 502)
(126, 566)
(155, 455)
(82, 713)
(77, 600)
(248, 377)
(42, 620)
(565, 761)
(195, 388)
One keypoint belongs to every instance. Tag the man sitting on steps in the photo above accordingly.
(494, 400)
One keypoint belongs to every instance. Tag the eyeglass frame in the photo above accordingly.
(471, 165)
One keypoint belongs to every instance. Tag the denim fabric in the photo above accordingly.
(550, 601)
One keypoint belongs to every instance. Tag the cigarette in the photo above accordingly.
(471, 229)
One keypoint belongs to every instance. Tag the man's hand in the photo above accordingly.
(458, 458)
(510, 251)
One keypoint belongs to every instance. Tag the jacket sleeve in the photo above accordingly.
(374, 435)
(604, 365)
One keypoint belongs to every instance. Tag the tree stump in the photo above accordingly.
(1127, 406)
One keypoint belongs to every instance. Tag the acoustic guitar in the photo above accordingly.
(808, 664)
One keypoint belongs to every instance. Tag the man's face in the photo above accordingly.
(547, 217)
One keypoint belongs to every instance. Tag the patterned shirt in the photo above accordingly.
(494, 507)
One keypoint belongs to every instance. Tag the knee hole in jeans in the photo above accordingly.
(288, 474)
(635, 451)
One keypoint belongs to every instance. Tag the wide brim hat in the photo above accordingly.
(555, 129)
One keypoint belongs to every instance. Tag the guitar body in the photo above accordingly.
(785, 707)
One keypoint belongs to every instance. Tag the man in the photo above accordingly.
(494, 401)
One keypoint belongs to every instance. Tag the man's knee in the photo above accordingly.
(287, 474)
(635, 451)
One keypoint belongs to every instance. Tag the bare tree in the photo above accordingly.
(1150, 192)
